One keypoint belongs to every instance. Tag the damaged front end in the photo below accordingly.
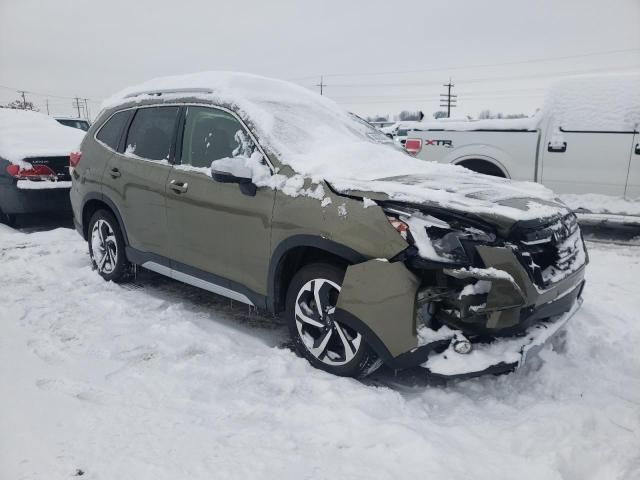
(465, 299)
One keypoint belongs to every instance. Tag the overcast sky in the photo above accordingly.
(490, 48)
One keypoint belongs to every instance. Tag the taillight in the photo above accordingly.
(13, 170)
(74, 159)
(413, 145)
(38, 172)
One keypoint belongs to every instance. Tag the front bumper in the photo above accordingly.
(385, 301)
(499, 356)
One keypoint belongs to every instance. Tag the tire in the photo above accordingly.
(106, 247)
(7, 219)
(328, 345)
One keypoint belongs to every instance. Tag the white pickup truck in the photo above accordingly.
(584, 140)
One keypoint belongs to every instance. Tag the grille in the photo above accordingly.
(550, 253)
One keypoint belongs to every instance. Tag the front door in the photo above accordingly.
(215, 228)
(136, 179)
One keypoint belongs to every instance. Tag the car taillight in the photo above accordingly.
(413, 145)
(74, 159)
(38, 172)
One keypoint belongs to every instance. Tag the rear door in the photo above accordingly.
(135, 178)
(216, 228)
(633, 182)
(582, 161)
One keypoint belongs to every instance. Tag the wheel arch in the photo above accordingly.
(293, 253)
(94, 202)
(477, 162)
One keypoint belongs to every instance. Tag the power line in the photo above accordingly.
(43, 94)
(487, 79)
(467, 93)
(482, 65)
(432, 99)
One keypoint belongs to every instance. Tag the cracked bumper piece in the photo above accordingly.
(500, 356)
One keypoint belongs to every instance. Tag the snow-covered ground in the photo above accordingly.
(156, 380)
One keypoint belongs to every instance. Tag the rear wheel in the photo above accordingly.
(106, 247)
(326, 343)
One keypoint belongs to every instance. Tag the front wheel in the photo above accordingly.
(326, 343)
(106, 247)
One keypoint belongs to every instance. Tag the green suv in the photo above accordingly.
(266, 193)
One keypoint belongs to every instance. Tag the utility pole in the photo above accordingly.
(47, 102)
(76, 103)
(86, 108)
(321, 84)
(24, 100)
(448, 99)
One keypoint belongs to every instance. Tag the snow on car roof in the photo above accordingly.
(25, 134)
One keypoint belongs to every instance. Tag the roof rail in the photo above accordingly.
(169, 91)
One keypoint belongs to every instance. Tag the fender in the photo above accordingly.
(346, 253)
(103, 198)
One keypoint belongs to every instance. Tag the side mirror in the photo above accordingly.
(234, 171)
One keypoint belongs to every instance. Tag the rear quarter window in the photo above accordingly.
(110, 132)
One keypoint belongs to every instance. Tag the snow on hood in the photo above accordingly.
(464, 191)
(25, 134)
(318, 139)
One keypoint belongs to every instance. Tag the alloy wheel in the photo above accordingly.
(331, 342)
(104, 248)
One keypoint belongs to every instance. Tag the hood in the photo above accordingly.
(499, 201)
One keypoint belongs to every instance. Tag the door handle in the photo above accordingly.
(557, 148)
(115, 173)
(637, 151)
(178, 187)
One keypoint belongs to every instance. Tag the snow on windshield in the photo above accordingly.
(24, 134)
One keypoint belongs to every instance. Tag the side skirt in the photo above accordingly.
(198, 278)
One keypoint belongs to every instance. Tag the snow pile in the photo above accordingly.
(606, 204)
(168, 382)
(595, 102)
(321, 141)
(25, 134)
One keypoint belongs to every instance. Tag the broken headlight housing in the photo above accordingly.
(436, 239)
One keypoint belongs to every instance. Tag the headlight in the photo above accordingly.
(436, 239)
